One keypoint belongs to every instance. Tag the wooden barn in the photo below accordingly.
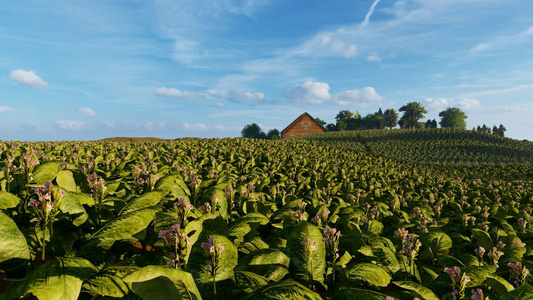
(304, 124)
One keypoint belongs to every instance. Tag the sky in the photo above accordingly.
(86, 70)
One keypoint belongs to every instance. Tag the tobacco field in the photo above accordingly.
(377, 214)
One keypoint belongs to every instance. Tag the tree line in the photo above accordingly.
(413, 113)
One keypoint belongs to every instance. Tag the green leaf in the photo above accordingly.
(65, 179)
(59, 278)
(144, 200)
(269, 263)
(483, 238)
(375, 227)
(498, 284)
(353, 293)
(8, 200)
(306, 268)
(368, 273)
(478, 274)
(71, 205)
(109, 283)
(46, 172)
(439, 242)
(285, 289)
(248, 281)
(123, 227)
(198, 260)
(14, 251)
(523, 292)
(162, 282)
(420, 291)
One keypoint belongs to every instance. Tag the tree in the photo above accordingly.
(321, 122)
(253, 131)
(331, 127)
(341, 125)
(344, 115)
(434, 124)
(412, 112)
(499, 131)
(274, 134)
(428, 124)
(390, 116)
(452, 117)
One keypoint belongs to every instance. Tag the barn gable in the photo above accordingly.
(304, 124)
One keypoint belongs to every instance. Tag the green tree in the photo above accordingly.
(428, 124)
(499, 131)
(274, 134)
(344, 115)
(321, 122)
(253, 131)
(331, 127)
(453, 117)
(341, 125)
(390, 116)
(434, 124)
(412, 112)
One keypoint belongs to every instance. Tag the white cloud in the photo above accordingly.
(246, 96)
(439, 104)
(27, 78)
(312, 92)
(480, 47)
(5, 108)
(220, 127)
(373, 57)
(325, 45)
(219, 105)
(86, 111)
(362, 97)
(197, 126)
(309, 92)
(71, 125)
(175, 93)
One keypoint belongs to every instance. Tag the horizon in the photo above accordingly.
(176, 69)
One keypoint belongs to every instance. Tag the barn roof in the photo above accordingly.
(298, 119)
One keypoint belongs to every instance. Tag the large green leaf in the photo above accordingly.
(108, 282)
(269, 263)
(46, 172)
(162, 282)
(368, 273)
(437, 241)
(71, 205)
(313, 266)
(248, 281)
(498, 284)
(483, 238)
(354, 293)
(198, 260)
(478, 274)
(65, 179)
(123, 227)
(419, 290)
(282, 290)
(144, 200)
(14, 251)
(8, 200)
(57, 278)
(523, 292)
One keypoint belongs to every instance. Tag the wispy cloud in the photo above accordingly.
(27, 78)
(439, 104)
(312, 92)
(369, 13)
(232, 95)
(71, 125)
(5, 108)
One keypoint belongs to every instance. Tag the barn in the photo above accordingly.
(304, 124)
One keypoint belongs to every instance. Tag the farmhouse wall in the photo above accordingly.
(305, 124)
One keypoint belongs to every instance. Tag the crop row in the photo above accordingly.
(255, 219)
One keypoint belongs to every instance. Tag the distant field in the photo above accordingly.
(340, 215)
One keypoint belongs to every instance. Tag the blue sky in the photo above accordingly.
(86, 70)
